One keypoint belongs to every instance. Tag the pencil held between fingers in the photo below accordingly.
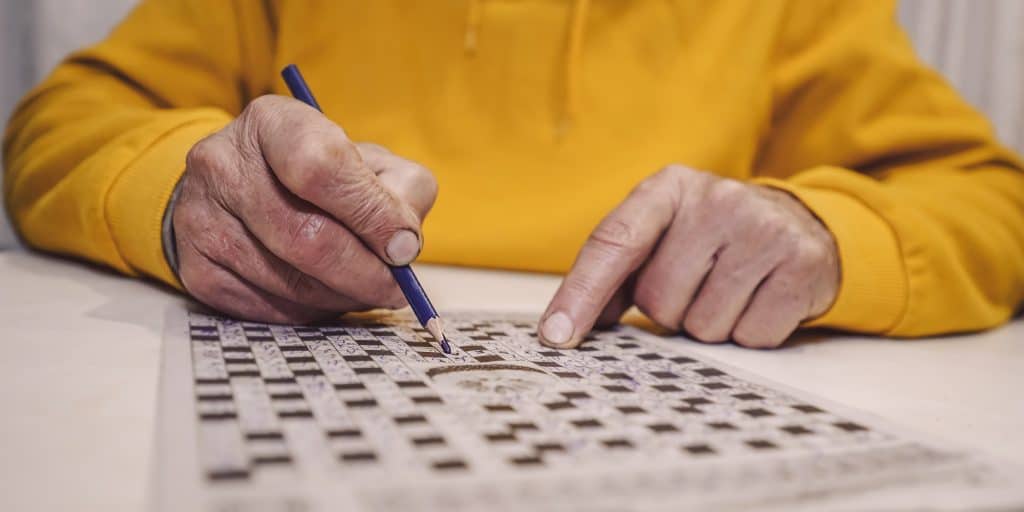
(713, 257)
(282, 218)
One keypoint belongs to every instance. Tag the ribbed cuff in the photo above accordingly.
(135, 204)
(873, 291)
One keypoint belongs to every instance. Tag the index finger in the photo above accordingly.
(316, 161)
(616, 248)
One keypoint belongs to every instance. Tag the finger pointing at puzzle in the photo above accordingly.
(716, 258)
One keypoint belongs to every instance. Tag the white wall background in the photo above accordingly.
(977, 44)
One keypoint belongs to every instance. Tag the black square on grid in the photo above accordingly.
(549, 447)
(363, 402)
(761, 444)
(757, 412)
(449, 465)
(618, 389)
(683, 360)
(715, 385)
(212, 381)
(617, 443)
(662, 428)
(796, 430)
(499, 408)
(409, 419)
(606, 358)
(291, 395)
(368, 370)
(522, 425)
(664, 375)
(428, 441)
(748, 396)
(617, 376)
(586, 423)
(527, 461)
(667, 388)
(687, 410)
(631, 409)
(358, 457)
(501, 437)
(427, 399)
(697, 401)
(809, 409)
(710, 372)
(344, 433)
(555, 406)
(699, 449)
(574, 395)
(568, 375)
(850, 426)
(722, 425)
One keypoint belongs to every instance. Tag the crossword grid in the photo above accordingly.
(374, 396)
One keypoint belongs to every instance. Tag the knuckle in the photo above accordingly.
(678, 172)
(727, 192)
(206, 156)
(308, 166)
(259, 108)
(810, 255)
(754, 338)
(423, 179)
(615, 235)
(701, 327)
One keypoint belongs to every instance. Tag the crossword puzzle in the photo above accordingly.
(375, 401)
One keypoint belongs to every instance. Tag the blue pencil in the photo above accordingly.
(421, 306)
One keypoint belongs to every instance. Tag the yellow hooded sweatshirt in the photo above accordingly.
(538, 116)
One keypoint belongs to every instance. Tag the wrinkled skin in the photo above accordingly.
(282, 218)
(716, 258)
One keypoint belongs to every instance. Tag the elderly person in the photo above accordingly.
(758, 165)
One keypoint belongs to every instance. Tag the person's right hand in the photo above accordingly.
(281, 218)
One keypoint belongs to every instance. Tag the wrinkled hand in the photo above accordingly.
(716, 258)
(282, 218)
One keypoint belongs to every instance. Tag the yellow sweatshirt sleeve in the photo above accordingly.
(93, 153)
(926, 207)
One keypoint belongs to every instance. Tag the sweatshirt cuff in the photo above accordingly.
(136, 202)
(873, 290)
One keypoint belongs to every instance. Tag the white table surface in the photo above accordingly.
(79, 371)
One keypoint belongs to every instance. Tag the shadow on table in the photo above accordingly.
(125, 299)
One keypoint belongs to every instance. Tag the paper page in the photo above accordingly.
(368, 414)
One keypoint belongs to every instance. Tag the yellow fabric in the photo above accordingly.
(824, 99)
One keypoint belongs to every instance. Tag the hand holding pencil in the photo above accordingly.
(280, 217)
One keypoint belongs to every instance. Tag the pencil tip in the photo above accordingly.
(447, 348)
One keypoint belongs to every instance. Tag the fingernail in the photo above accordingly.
(557, 329)
(403, 247)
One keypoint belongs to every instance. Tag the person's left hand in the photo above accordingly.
(717, 258)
